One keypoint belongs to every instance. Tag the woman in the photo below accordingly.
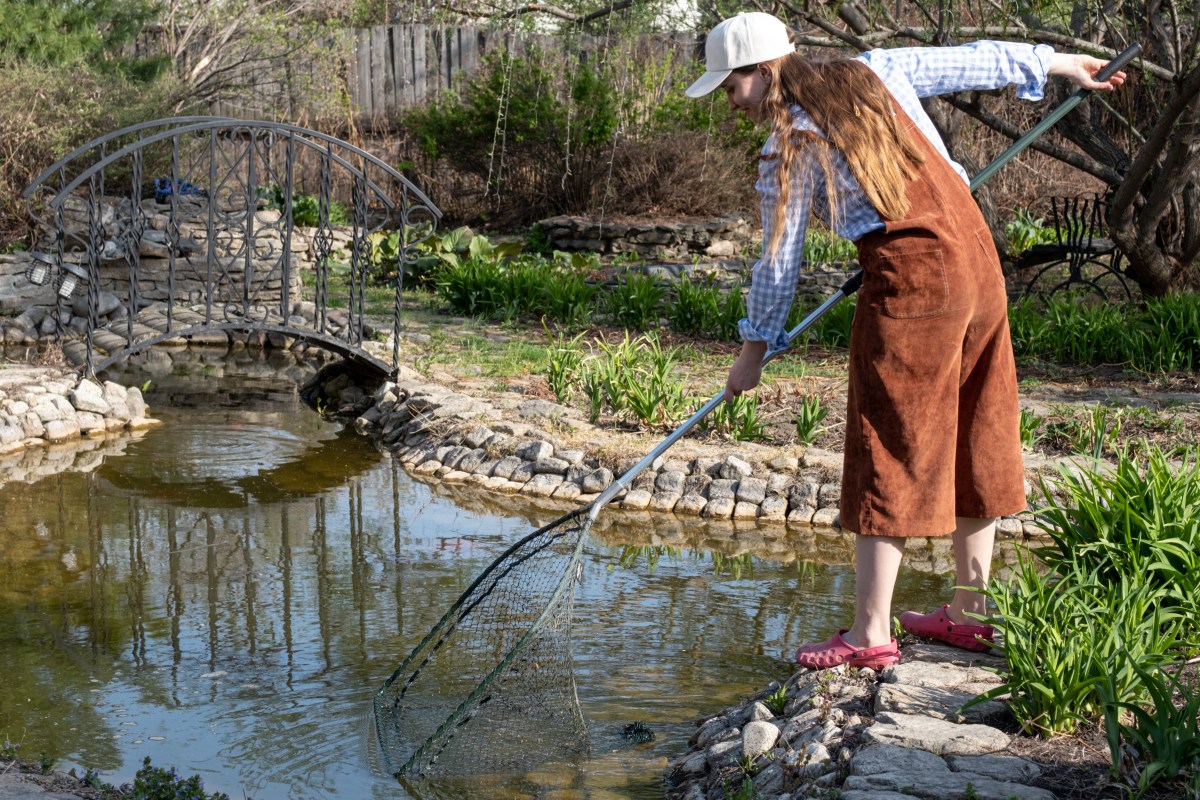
(932, 442)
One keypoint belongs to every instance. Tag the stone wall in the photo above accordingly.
(44, 406)
(716, 238)
(440, 434)
(146, 228)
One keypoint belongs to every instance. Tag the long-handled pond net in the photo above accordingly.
(500, 659)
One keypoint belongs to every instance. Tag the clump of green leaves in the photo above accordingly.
(1164, 336)
(630, 378)
(1026, 230)
(156, 783)
(306, 208)
(809, 418)
(1029, 424)
(776, 701)
(635, 301)
(739, 418)
(701, 308)
(1164, 733)
(1090, 620)
(823, 247)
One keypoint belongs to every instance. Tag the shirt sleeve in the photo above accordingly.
(979, 65)
(773, 281)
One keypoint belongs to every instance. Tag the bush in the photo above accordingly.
(542, 134)
(46, 111)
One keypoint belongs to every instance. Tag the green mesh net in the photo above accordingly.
(499, 661)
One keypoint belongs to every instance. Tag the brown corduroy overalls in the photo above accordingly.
(932, 426)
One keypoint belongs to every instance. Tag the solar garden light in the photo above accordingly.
(38, 272)
(70, 276)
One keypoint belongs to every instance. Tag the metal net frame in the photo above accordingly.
(499, 658)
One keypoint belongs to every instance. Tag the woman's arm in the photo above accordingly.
(773, 280)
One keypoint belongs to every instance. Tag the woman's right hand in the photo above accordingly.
(746, 371)
(1081, 70)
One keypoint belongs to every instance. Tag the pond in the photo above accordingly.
(227, 595)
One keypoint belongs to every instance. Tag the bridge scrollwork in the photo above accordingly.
(186, 228)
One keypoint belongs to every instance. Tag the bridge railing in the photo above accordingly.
(196, 217)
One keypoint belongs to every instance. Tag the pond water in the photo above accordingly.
(227, 594)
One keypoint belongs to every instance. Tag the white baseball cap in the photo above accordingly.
(749, 38)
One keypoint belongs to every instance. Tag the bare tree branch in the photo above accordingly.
(1077, 160)
(555, 11)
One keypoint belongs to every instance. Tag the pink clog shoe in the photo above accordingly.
(938, 625)
(837, 650)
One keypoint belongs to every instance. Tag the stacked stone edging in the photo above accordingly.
(717, 238)
(441, 434)
(42, 406)
(858, 735)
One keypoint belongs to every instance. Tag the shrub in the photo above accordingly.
(46, 111)
(542, 134)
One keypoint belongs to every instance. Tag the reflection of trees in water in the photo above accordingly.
(93, 579)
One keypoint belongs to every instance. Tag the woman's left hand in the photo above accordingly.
(1081, 70)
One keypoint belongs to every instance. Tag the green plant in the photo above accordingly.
(808, 420)
(306, 208)
(592, 383)
(1025, 230)
(634, 302)
(730, 311)
(776, 701)
(562, 372)
(695, 308)
(739, 418)
(824, 247)
(155, 783)
(1141, 518)
(748, 766)
(1162, 337)
(744, 791)
(1029, 424)
(833, 329)
(1165, 735)
(1062, 636)
(1114, 594)
(1092, 433)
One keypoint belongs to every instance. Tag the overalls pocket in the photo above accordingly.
(913, 284)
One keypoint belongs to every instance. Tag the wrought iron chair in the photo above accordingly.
(1080, 259)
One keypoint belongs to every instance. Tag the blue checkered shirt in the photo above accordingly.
(909, 73)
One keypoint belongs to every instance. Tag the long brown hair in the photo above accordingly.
(854, 110)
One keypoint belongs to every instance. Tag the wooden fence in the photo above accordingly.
(389, 68)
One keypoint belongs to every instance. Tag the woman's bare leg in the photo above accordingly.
(974, 541)
(878, 563)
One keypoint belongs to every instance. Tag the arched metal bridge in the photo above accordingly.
(184, 229)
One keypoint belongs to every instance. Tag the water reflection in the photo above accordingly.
(227, 595)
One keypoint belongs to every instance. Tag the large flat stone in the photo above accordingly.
(894, 758)
(935, 735)
(1001, 768)
(940, 786)
(936, 701)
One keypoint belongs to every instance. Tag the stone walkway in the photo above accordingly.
(858, 735)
